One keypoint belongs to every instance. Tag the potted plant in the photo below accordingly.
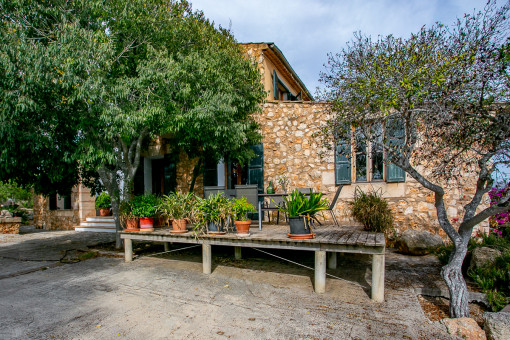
(179, 208)
(240, 210)
(104, 204)
(144, 207)
(213, 215)
(301, 211)
(128, 219)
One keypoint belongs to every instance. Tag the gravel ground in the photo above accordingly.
(46, 292)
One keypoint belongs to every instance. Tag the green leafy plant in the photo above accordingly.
(241, 208)
(103, 201)
(494, 279)
(145, 205)
(216, 209)
(178, 205)
(372, 210)
(298, 204)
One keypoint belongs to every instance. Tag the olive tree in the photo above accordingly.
(442, 95)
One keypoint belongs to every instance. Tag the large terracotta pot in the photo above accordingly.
(243, 227)
(179, 225)
(146, 223)
(104, 212)
(132, 224)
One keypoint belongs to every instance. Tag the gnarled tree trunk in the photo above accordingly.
(452, 275)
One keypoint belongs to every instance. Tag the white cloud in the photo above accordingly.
(305, 31)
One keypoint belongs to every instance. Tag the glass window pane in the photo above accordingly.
(361, 156)
(377, 153)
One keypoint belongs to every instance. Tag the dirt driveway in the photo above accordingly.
(168, 297)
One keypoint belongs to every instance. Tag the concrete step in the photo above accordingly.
(97, 224)
(95, 229)
(100, 219)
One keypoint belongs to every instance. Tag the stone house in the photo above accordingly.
(288, 121)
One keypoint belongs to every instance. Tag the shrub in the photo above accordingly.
(145, 205)
(499, 223)
(298, 204)
(177, 205)
(103, 201)
(241, 208)
(372, 211)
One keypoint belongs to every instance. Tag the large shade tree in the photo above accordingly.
(442, 97)
(115, 74)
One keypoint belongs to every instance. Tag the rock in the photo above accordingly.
(6, 213)
(497, 325)
(506, 309)
(418, 242)
(465, 328)
(482, 256)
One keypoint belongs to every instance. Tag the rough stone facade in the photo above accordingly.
(291, 150)
(82, 206)
(10, 225)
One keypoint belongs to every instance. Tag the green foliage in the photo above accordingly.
(178, 205)
(241, 208)
(372, 210)
(103, 201)
(99, 76)
(216, 209)
(126, 209)
(10, 190)
(494, 279)
(297, 204)
(145, 205)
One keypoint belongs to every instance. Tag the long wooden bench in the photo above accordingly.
(327, 240)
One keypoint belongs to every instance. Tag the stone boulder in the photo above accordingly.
(482, 256)
(464, 328)
(497, 325)
(5, 213)
(418, 242)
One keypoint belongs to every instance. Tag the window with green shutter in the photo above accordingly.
(343, 162)
(396, 138)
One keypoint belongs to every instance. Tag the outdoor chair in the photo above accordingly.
(250, 191)
(210, 191)
(274, 204)
(333, 203)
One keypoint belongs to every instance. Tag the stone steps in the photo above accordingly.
(98, 224)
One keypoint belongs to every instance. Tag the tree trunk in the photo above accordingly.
(116, 218)
(452, 274)
(196, 173)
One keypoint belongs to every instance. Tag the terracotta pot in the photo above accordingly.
(146, 223)
(132, 224)
(179, 224)
(243, 227)
(104, 212)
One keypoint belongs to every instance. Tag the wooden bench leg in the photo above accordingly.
(237, 253)
(167, 246)
(128, 250)
(331, 260)
(378, 278)
(320, 271)
(206, 258)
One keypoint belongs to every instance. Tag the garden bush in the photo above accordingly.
(372, 211)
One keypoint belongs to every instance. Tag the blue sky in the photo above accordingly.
(306, 30)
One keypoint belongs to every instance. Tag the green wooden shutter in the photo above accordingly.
(256, 167)
(343, 162)
(275, 85)
(67, 201)
(395, 135)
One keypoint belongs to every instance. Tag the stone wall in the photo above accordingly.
(58, 219)
(291, 150)
(185, 174)
(10, 225)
